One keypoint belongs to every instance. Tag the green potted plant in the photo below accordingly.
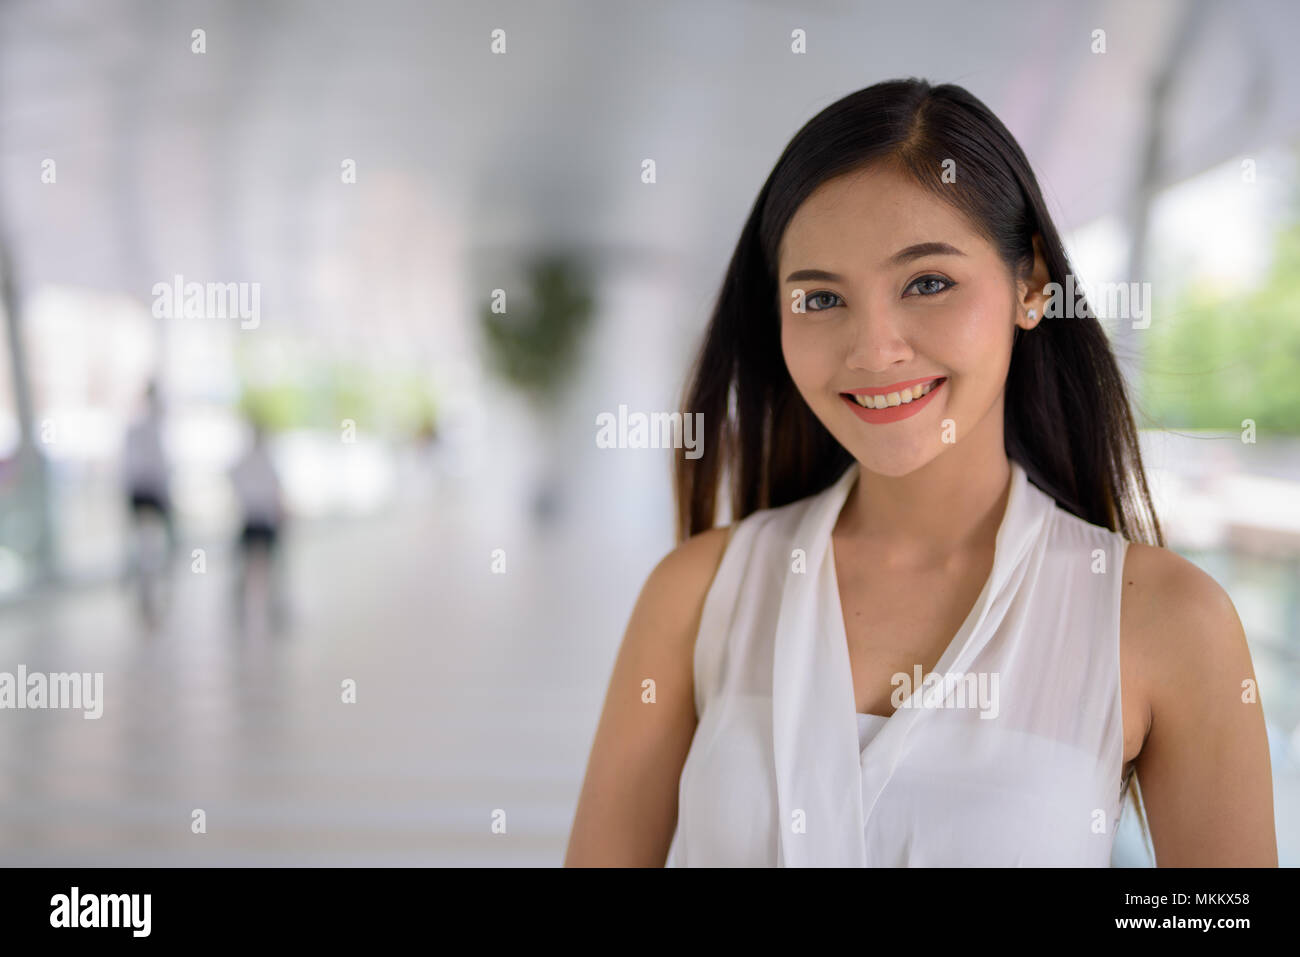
(535, 346)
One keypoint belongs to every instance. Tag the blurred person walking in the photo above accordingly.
(152, 541)
(261, 502)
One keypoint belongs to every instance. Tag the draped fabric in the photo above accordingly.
(1009, 754)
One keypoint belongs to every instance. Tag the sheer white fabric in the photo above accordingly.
(779, 773)
(869, 726)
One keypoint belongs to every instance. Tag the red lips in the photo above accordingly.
(896, 387)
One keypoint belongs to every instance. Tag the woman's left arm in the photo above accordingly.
(1204, 768)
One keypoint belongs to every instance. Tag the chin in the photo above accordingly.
(894, 465)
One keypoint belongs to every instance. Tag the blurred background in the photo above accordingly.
(310, 309)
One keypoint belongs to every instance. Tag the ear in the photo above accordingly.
(1029, 290)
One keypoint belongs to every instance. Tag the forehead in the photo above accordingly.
(866, 216)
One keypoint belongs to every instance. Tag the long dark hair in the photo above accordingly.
(1067, 417)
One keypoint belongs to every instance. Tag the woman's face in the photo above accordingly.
(901, 296)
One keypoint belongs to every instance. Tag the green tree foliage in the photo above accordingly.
(1214, 359)
(534, 346)
(382, 401)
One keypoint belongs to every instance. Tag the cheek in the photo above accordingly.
(810, 358)
(978, 341)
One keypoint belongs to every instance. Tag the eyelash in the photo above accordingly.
(948, 284)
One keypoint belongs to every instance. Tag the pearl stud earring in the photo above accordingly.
(1033, 314)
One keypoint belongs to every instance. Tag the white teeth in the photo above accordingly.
(902, 397)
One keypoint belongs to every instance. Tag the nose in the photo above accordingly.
(877, 340)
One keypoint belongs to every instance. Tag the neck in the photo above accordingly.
(954, 502)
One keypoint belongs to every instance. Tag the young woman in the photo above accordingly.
(941, 628)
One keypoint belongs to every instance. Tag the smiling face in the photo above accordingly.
(901, 295)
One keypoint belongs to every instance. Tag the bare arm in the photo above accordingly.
(627, 811)
(1204, 768)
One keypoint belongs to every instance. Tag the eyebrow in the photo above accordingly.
(899, 258)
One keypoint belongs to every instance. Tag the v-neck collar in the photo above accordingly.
(819, 768)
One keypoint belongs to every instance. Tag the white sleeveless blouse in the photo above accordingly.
(1026, 774)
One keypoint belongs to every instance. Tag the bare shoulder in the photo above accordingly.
(1181, 629)
(698, 555)
(1170, 605)
(674, 592)
(1203, 767)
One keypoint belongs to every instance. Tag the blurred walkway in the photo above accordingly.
(475, 692)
